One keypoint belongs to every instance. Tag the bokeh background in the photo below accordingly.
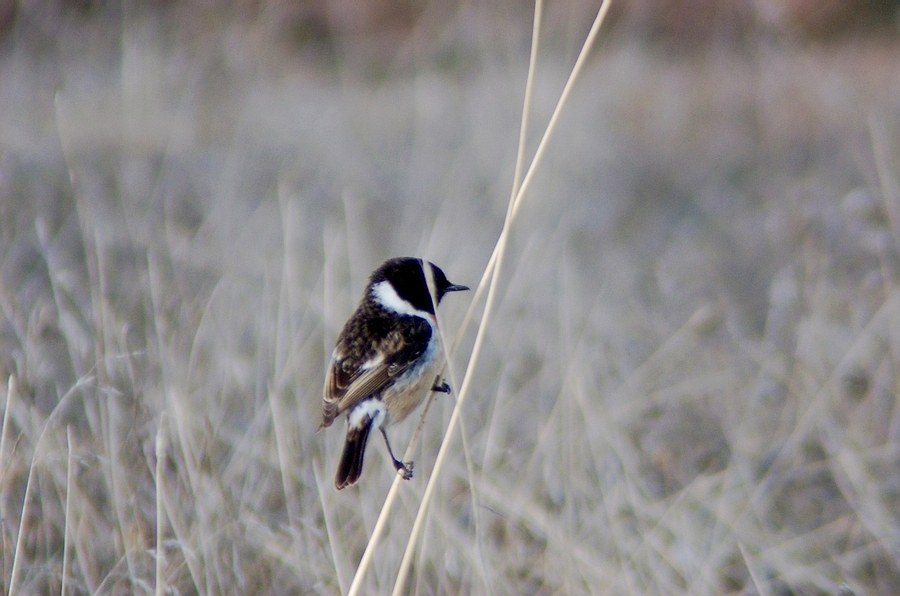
(689, 384)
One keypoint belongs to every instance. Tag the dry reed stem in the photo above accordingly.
(499, 250)
(10, 391)
(68, 514)
(10, 394)
(48, 424)
(406, 562)
(160, 449)
(491, 271)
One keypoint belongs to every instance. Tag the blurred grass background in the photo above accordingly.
(690, 382)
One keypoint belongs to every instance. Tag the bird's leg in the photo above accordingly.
(405, 469)
(440, 388)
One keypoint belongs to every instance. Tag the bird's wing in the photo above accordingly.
(350, 381)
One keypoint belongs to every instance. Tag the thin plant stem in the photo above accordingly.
(69, 463)
(499, 251)
(160, 448)
(491, 271)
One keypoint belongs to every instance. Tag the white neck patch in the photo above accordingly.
(388, 297)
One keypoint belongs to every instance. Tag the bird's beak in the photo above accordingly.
(456, 288)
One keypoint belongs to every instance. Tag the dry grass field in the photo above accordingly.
(688, 384)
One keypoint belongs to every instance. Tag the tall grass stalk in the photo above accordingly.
(160, 450)
(489, 278)
(66, 530)
(497, 257)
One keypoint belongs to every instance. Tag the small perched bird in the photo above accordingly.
(386, 359)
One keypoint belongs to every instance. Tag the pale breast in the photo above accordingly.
(412, 387)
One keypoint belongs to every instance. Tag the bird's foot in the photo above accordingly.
(440, 387)
(404, 469)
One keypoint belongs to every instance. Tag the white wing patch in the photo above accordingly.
(372, 362)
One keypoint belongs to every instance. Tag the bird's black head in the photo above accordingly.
(405, 274)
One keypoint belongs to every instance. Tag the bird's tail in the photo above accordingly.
(351, 465)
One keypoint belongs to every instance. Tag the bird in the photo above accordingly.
(386, 359)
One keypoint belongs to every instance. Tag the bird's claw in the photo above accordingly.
(440, 388)
(405, 469)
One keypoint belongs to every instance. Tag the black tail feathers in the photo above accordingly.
(350, 468)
